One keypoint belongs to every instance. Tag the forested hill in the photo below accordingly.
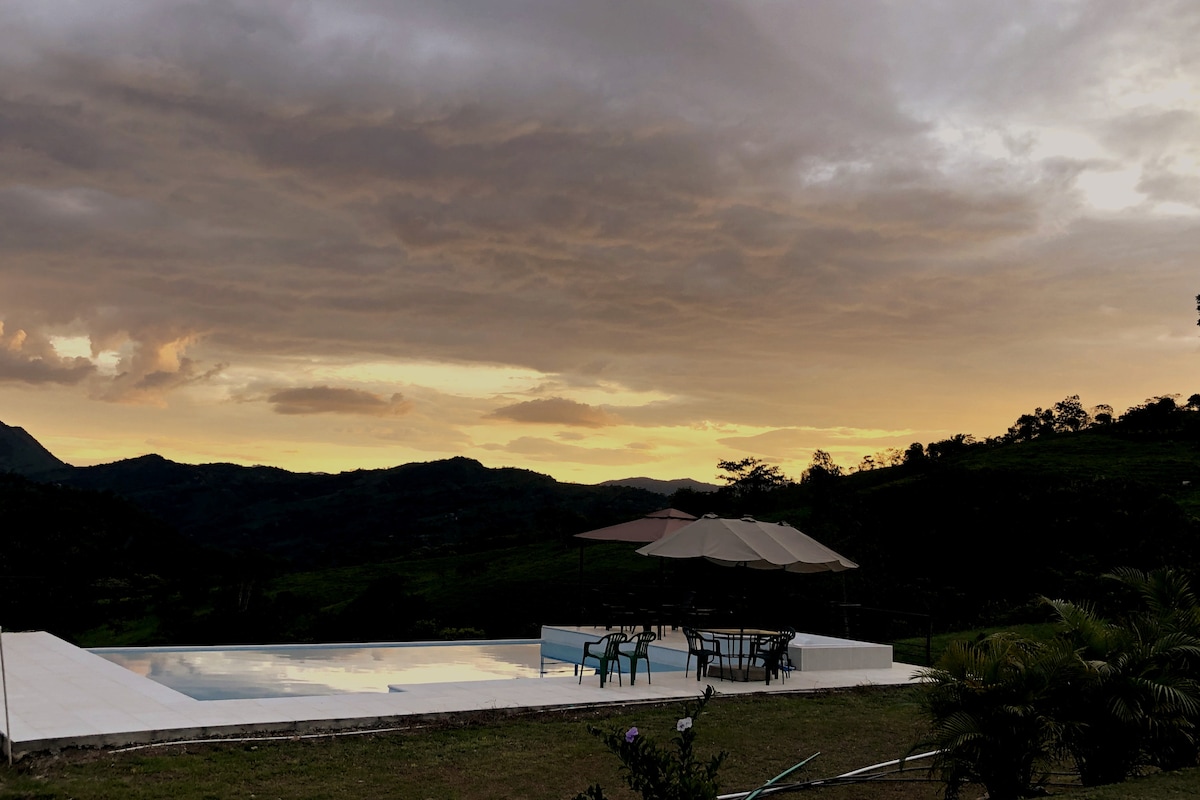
(975, 531)
(147, 550)
(71, 559)
(972, 532)
(454, 505)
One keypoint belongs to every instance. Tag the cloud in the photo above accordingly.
(36, 362)
(332, 400)
(795, 443)
(152, 364)
(764, 215)
(548, 450)
(556, 411)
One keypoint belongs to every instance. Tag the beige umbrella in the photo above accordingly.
(649, 528)
(748, 542)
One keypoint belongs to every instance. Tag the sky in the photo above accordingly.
(596, 240)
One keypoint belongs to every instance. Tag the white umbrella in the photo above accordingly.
(748, 542)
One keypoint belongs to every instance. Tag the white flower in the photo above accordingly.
(683, 724)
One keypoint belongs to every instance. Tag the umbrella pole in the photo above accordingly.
(7, 722)
(579, 589)
(845, 610)
(662, 596)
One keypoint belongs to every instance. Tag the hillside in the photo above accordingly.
(352, 517)
(73, 559)
(20, 453)
(980, 533)
(246, 529)
(970, 537)
(969, 533)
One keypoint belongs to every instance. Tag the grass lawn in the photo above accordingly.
(534, 756)
(1040, 631)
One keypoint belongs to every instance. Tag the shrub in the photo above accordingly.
(658, 772)
(1113, 696)
(986, 702)
(1132, 699)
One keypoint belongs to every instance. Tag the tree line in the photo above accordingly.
(754, 476)
(1085, 494)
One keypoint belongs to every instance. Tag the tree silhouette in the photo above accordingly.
(1069, 415)
(752, 475)
(821, 468)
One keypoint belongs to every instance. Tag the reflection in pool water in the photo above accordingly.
(292, 670)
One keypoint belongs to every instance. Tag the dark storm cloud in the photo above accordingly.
(51, 219)
(60, 133)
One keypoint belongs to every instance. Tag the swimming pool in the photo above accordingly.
(228, 673)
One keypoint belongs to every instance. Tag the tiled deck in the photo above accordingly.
(62, 696)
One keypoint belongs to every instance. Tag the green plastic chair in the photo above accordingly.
(606, 653)
(705, 649)
(772, 651)
(640, 652)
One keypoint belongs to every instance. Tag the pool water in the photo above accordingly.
(228, 673)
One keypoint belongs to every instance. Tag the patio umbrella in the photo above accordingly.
(748, 542)
(649, 528)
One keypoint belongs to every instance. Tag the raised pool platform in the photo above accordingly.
(809, 652)
(63, 696)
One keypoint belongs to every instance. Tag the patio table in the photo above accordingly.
(744, 639)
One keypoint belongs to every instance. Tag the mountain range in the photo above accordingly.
(448, 505)
(663, 487)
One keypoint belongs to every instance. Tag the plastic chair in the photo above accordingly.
(785, 664)
(640, 652)
(703, 649)
(772, 651)
(607, 655)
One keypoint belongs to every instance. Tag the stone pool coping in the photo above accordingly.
(63, 696)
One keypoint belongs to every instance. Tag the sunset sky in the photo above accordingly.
(592, 239)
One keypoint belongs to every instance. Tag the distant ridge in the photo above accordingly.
(662, 487)
(350, 517)
(23, 454)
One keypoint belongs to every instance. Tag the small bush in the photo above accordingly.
(658, 772)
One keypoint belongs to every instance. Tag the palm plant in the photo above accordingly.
(1132, 698)
(1166, 595)
(1113, 696)
(1104, 739)
(986, 702)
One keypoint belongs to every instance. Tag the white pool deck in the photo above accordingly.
(62, 696)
